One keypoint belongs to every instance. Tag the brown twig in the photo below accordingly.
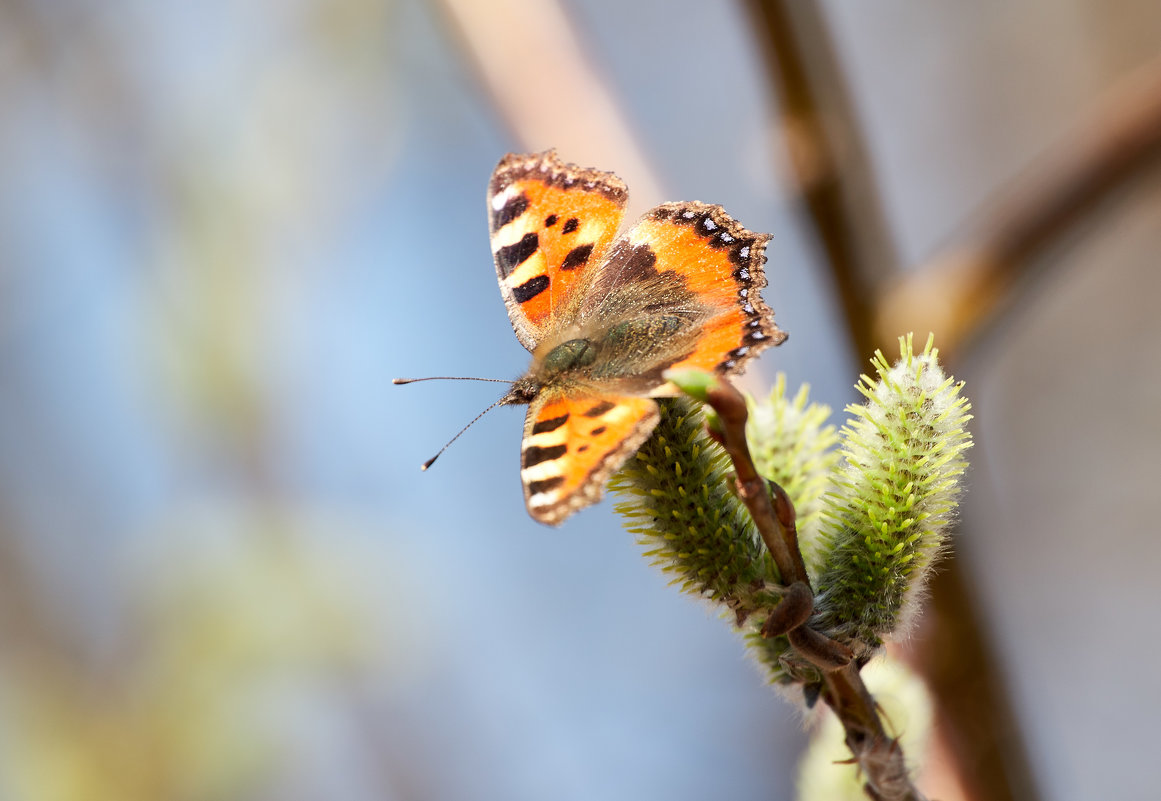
(878, 755)
(781, 540)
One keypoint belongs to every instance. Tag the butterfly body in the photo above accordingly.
(605, 318)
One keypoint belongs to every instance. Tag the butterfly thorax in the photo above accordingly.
(571, 356)
(629, 356)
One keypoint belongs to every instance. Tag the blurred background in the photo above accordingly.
(225, 226)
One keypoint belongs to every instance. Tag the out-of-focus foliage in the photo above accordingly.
(189, 707)
(172, 668)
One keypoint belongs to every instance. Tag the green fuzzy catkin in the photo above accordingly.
(679, 501)
(895, 497)
(793, 445)
(679, 505)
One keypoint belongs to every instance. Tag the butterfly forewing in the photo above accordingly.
(550, 223)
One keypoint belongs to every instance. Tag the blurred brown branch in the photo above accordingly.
(824, 159)
(959, 292)
(502, 39)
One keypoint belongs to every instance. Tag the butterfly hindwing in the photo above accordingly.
(573, 443)
(550, 222)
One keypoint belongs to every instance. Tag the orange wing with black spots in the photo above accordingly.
(573, 443)
(692, 263)
(550, 222)
(721, 264)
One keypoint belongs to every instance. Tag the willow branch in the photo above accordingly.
(777, 531)
(879, 756)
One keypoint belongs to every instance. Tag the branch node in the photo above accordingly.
(791, 612)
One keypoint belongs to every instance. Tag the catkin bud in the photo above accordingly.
(894, 499)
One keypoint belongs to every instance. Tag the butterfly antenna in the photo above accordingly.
(447, 378)
(431, 461)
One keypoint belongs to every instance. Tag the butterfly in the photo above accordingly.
(605, 317)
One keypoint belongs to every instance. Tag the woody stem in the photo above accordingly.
(777, 531)
(879, 756)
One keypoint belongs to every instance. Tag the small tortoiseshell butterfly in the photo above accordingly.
(605, 319)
